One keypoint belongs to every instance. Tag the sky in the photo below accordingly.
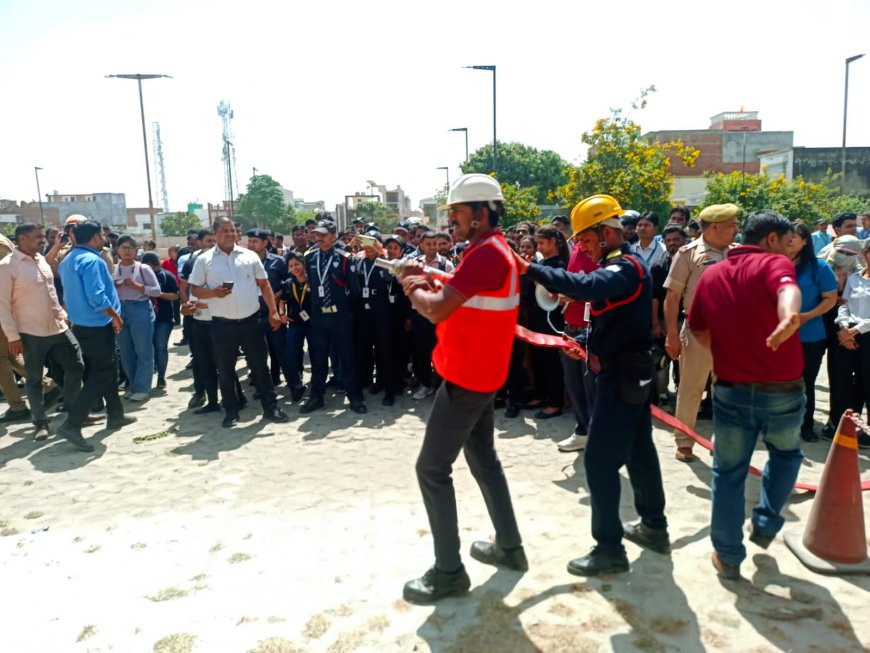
(328, 95)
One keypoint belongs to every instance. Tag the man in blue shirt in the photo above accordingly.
(821, 237)
(93, 308)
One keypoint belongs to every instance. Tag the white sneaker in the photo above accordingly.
(573, 443)
(423, 392)
(138, 396)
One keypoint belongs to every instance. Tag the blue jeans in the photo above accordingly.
(162, 331)
(297, 334)
(136, 342)
(740, 415)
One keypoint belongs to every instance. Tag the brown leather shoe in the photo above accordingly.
(685, 455)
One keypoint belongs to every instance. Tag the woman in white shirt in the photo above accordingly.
(853, 334)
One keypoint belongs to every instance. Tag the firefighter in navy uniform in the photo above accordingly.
(620, 357)
(332, 279)
(372, 333)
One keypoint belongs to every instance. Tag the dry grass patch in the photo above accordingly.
(275, 645)
(238, 557)
(175, 643)
(316, 626)
(168, 594)
(87, 632)
(347, 642)
(138, 546)
(378, 623)
(33, 514)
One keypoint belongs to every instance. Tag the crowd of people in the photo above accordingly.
(87, 314)
(322, 293)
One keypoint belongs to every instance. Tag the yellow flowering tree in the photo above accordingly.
(623, 164)
(796, 198)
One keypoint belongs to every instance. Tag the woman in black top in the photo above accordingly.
(296, 296)
(548, 381)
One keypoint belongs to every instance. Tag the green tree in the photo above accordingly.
(263, 205)
(179, 223)
(520, 204)
(795, 198)
(623, 164)
(522, 166)
(305, 214)
(378, 213)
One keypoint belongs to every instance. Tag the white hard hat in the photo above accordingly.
(473, 187)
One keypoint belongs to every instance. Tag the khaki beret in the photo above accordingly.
(719, 212)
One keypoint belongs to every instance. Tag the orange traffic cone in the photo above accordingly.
(834, 541)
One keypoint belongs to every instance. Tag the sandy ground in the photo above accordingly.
(177, 535)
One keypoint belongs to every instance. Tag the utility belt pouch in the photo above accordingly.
(635, 376)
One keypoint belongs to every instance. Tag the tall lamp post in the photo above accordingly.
(462, 129)
(447, 171)
(36, 170)
(494, 156)
(139, 77)
(845, 110)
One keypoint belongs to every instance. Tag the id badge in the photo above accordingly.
(303, 315)
(368, 306)
(392, 299)
(321, 291)
(365, 293)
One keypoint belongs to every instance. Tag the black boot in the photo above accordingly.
(599, 561)
(435, 585)
(490, 553)
(314, 402)
(655, 539)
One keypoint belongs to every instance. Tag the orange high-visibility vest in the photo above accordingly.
(475, 342)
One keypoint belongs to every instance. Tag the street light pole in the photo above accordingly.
(446, 170)
(494, 140)
(139, 77)
(845, 109)
(36, 170)
(462, 129)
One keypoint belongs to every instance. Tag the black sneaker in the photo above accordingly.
(358, 407)
(230, 421)
(435, 585)
(313, 403)
(208, 408)
(760, 538)
(599, 561)
(115, 423)
(655, 539)
(15, 415)
(275, 414)
(490, 553)
(297, 393)
(196, 401)
(512, 411)
(74, 436)
(828, 432)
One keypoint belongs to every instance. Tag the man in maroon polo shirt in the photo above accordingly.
(747, 310)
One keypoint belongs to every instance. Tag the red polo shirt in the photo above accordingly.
(736, 302)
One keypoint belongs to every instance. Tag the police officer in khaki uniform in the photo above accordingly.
(718, 228)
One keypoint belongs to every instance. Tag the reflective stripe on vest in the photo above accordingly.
(487, 303)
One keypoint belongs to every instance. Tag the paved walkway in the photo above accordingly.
(177, 535)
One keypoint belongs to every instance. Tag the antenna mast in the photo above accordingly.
(158, 161)
(229, 150)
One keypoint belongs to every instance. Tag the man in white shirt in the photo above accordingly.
(227, 278)
(648, 247)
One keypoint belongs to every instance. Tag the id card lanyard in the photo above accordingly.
(322, 273)
(367, 276)
(299, 300)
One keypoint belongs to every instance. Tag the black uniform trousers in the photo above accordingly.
(333, 330)
(276, 341)
(374, 349)
(205, 378)
(621, 434)
(574, 376)
(462, 420)
(424, 344)
(226, 337)
(100, 355)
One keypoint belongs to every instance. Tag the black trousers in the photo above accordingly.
(574, 374)
(518, 377)
(100, 355)
(205, 377)
(462, 420)
(276, 341)
(548, 376)
(400, 342)
(226, 337)
(62, 350)
(374, 348)
(621, 434)
(850, 378)
(333, 330)
(813, 354)
(424, 344)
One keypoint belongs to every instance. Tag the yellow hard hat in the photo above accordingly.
(593, 211)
